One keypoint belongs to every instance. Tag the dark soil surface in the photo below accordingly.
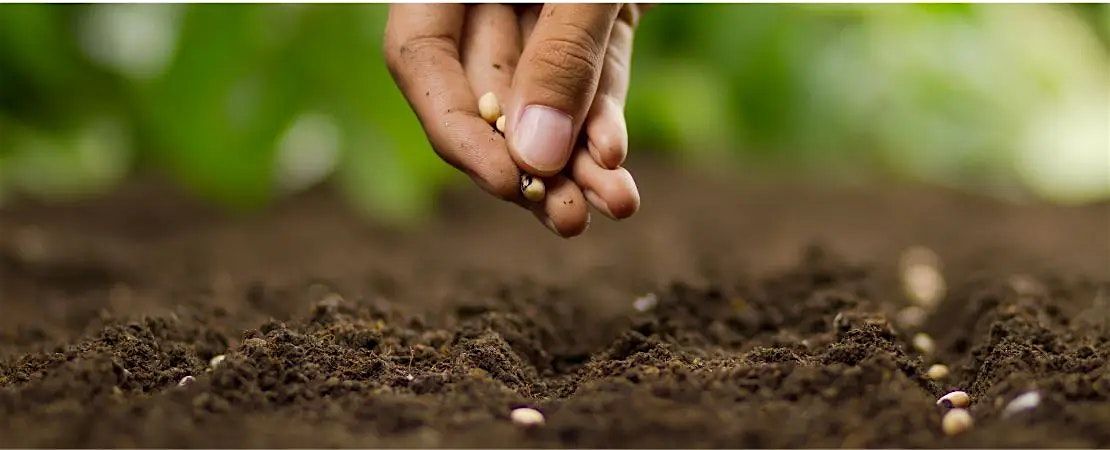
(773, 323)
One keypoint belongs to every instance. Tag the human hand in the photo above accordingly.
(562, 72)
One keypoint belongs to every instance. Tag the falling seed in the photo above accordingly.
(532, 188)
(921, 276)
(923, 343)
(646, 302)
(187, 380)
(527, 417)
(918, 255)
(489, 107)
(1023, 402)
(956, 421)
(1025, 285)
(955, 399)
(500, 124)
(924, 285)
(216, 360)
(911, 316)
(937, 372)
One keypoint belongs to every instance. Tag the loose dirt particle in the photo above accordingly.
(527, 417)
(956, 421)
(955, 399)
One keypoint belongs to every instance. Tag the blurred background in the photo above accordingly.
(243, 104)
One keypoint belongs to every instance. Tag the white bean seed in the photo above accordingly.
(937, 372)
(923, 343)
(216, 360)
(1023, 402)
(955, 399)
(527, 417)
(532, 188)
(956, 421)
(489, 107)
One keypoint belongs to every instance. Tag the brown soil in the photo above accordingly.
(340, 333)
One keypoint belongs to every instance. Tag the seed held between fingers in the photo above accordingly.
(500, 124)
(956, 421)
(489, 107)
(532, 188)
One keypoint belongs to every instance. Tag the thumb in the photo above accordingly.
(555, 82)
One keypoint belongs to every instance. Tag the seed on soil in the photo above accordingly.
(216, 360)
(924, 344)
(956, 421)
(937, 372)
(532, 188)
(1023, 402)
(527, 417)
(955, 399)
(646, 302)
(500, 124)
(187, 380)
(489, 107)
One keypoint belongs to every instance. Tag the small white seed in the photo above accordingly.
(646, 302)
(911, 316)
(921, 276)
(924, 285)
(1023, 402)
(500, 124)
(532, 188)
(489, 107)
(216, 360)
(924, 344)
(956, 421)
(955, 399)
(937, 372)
(527, 417)
(187, 380)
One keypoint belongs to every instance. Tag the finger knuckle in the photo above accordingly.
(571, 64)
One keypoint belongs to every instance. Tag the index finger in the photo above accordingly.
(422, 52)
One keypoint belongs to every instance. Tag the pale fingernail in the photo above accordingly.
(551, 226)
(542, 138)
(598, 203)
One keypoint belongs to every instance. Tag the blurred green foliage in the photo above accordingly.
(243, 103)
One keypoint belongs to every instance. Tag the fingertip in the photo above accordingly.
(617, 198)
(607, 134)
(564, 209)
